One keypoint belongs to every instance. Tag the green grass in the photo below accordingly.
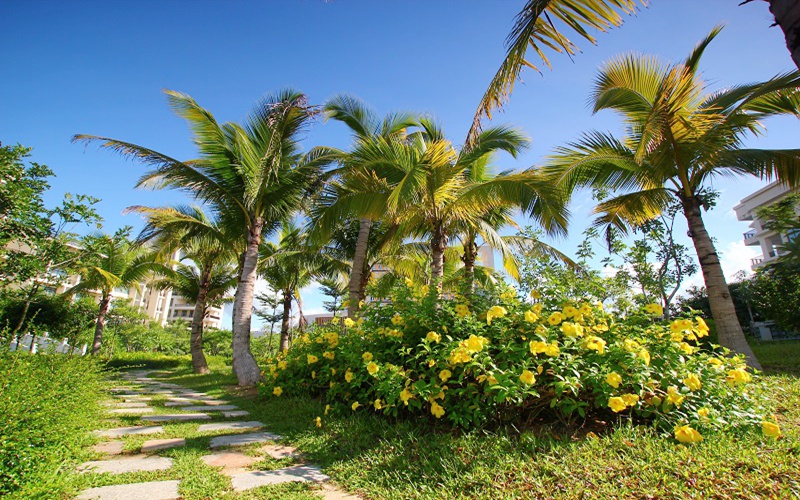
(378, 458)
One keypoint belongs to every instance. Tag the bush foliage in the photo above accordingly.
(48, 403)
(500, 359)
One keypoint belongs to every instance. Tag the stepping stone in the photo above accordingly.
(136, 463)
(236, 413)
(109, 448)
(154, 490)
(301, 473)
(231, 462)
(128, 431)
(213, 402)
(132, 404)
(230, 426)
(162, 444)
(132, 411)
(243, 439)
(177, 417)
(210, 408)
(279, 452)
(194, 395)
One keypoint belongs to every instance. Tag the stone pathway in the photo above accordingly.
(134, 402)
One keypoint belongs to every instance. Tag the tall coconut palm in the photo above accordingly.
(209, 246)
(113, 261)
(365, 126)
(252, 175)
(679, 137)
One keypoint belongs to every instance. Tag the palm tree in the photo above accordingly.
(365, 126)
(253, 177)
(206, 243)
(679, 137)
(113, 262)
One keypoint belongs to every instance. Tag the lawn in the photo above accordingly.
(378, 458)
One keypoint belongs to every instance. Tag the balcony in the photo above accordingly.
(756, 260)
(749, 234)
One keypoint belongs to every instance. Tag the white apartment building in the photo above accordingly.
(757, 235)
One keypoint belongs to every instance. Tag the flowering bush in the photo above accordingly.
(498, 358)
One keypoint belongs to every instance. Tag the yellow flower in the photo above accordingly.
(437, 410)
(686, 434)
(585, 309)
(445, 374)
(686, 348)
(495, 312)
(572, 329)
(680, 325)
(431, 362)
(462, 310)
(644, 356)
(703, 413)
(277, 391)
(405, 395)
(313, 374)
(327, 409)
(613, 379)
(770, 429)
(737, 377)
(552, 349)
(630, 399)
(367, 357)
(433, 337)
(674, 397)
(702, 327)
(537, 347)
(555, 318)
(311, 359)
(595, 343)
(475, 343)
(355, 406)
(349, 323)
(397, 319)
(654, 309)
(282, 365)
(531, 317)
(424, 289)
(373, 368)
(570, 312)
(527, 377)
(377, 404)
(328, 355)
(617, 404)
(318, 421)
(409, 282)
(692, 381)
(541, 330)
(508, 295)
(537, 308)
(335, 320)
(716, 363)
(536, 295)
(460, 355)
(539, 369)
(631, 345)
(348, 376)
(676, 337)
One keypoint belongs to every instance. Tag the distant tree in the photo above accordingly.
(337, 290)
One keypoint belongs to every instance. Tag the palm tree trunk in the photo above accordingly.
(729, 331)
(287, 316)
(100, 324)
(244, 364)
(469, 264)
(356, 275)
(438, 246)
(199, 363)
(787, 16)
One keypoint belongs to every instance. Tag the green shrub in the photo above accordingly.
(502, 360)
(148, 360)
(48, 403)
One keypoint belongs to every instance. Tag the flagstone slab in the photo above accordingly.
(235, 413)
(132, 411)
(210, 408)
(136, 463)
(177, 417)
(279, 452)
(213, 402)
(162, 444)
(230, 426)
(194, 395)
(299, 473)
(231, 462)
(128, 431)
(153, 490)
(132, 404)
(109, 447)
(243, 439)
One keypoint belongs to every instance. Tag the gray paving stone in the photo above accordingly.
(194, 395)
(162, 444)
(279, 452)
(210, 408)
(213, 402)
(301, 473)
(235, 413)
(154, 490)
(136, 463)
(128, 431)
(176, 417)
(230, 426)
(109, 447)
(231, 462)
(243, 439)
(132, 411)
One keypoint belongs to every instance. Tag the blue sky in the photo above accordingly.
(99, 67)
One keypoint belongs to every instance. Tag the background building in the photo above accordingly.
(769, 241)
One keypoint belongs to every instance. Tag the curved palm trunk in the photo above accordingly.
(438, 246)
(469, 264)
(356, 275)
(100, 324)
(244, 364)
(787, 15)
(287, 316)
(199, 363)
(727, 324)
